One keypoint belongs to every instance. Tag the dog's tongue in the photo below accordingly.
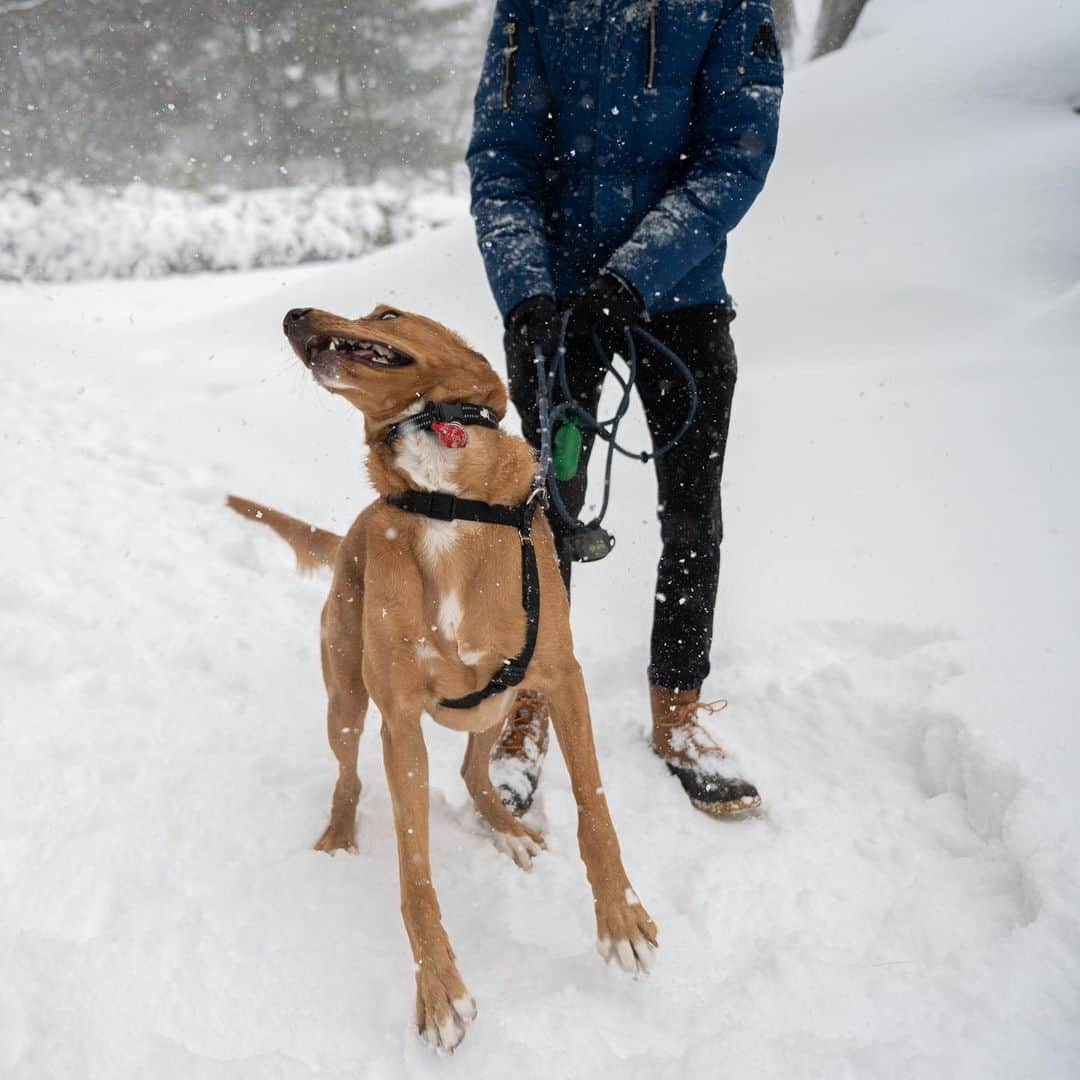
(452, 435)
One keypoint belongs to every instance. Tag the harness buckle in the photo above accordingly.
(539, 493)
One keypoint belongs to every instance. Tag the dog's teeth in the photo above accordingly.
(333, 346)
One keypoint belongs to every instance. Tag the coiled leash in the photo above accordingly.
(560, 453)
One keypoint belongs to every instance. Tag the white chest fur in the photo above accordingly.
(431, 467)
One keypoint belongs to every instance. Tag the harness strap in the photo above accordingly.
(442, 506)
(442, 412)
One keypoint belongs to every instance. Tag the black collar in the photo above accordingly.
(443, 412)
(442, 506)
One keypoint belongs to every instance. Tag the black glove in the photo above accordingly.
(535, 322)
(606, 308)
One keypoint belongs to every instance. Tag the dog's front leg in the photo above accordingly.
(623, 926)
(444, 1007)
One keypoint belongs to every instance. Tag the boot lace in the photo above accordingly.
(519, 727)
(687, 716)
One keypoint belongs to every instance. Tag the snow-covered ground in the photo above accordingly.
(897, 635)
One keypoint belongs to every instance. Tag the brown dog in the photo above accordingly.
(422, 611)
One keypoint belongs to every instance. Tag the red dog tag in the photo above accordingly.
(452, 435)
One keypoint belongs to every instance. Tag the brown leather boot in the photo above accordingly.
(706, 773)
(518, 755)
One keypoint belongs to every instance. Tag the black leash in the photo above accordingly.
(590, 542)
(442, 506)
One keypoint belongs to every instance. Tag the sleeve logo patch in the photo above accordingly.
(765, 46)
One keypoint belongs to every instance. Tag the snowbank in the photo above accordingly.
(70, 233)
(897, 637)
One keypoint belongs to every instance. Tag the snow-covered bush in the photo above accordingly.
(69, 232)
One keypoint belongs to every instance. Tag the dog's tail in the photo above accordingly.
(314, 547)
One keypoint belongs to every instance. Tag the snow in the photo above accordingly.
(897, 637)
(68, 232)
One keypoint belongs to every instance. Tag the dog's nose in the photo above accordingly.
(295, 316)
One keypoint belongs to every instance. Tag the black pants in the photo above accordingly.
(688, 476)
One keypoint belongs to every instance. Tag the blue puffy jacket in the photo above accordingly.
(626, 134)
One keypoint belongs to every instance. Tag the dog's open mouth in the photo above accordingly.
(372, 353)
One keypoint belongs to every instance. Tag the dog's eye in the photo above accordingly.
(389, 315)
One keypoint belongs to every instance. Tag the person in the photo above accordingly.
(615, 144)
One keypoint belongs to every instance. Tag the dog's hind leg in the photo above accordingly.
(347, 701)
(512, 838)
(444, 1008)
(624, 928)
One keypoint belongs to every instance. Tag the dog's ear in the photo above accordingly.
(469, 377)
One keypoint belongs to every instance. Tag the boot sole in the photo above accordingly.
(731, 808)
(510, 801)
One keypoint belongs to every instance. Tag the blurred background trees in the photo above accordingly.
(241, 92)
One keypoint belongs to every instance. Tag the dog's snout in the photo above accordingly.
(294, 316)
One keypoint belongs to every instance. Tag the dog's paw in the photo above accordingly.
(444, 1009)
(522, 847)
(340, 834)
(337, 837)
(625, 932)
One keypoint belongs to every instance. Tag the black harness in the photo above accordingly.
(442, 506)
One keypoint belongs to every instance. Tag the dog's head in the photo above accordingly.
(387, 361)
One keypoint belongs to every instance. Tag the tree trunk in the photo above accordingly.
(835, 23)
(787, 25)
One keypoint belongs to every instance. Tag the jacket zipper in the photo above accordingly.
(650, 71)
(509, 63)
